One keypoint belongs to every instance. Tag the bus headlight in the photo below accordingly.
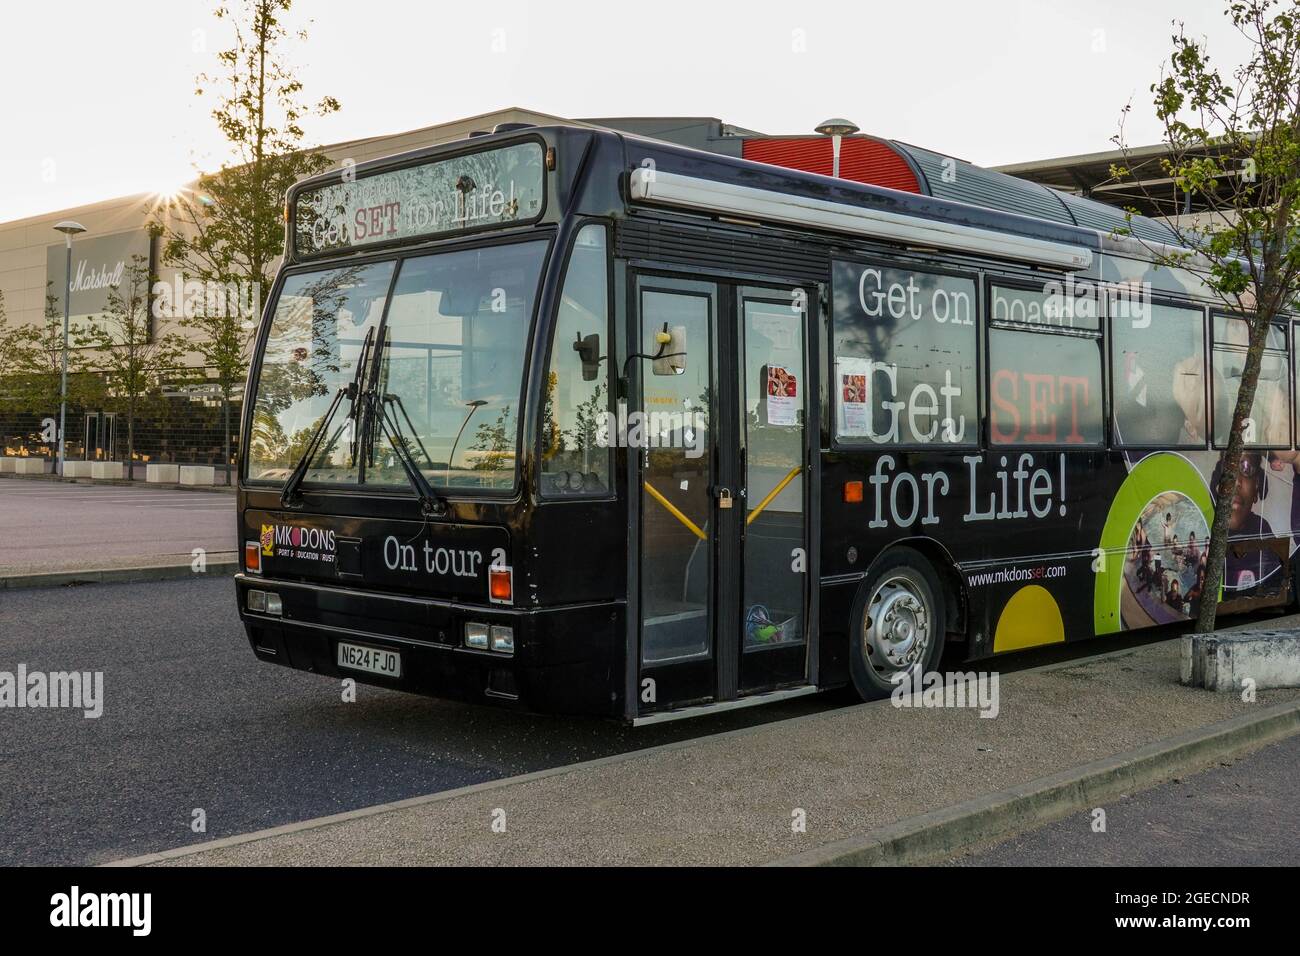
(503, 640)
(476, 636)
(265, 602)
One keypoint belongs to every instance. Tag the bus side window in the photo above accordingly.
(1268, 425)
(1045, 382)
(1158, 376)
(575, 452)
(1044, 389)
(905, 356)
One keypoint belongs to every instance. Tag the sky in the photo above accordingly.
(99, 97)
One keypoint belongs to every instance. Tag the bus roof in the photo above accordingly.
(997, 211)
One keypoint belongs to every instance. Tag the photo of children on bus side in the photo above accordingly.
(1164, 574)
(1164, 568)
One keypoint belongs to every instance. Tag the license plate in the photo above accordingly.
(373, 660)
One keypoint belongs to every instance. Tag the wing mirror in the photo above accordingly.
(588, 349)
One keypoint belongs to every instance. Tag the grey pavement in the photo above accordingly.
(1239, 813)
(48, 525)
(192, 721)
(738, 798)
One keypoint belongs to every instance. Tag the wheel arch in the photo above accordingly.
(956, 602)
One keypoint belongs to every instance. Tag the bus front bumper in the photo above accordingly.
(565, 660)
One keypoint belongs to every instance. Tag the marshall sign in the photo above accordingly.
(98, 266)
(496, 187)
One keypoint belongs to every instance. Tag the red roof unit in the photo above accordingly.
(862, 159)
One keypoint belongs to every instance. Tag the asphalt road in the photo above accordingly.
(192, 721)
(1240, 813)
(53, 525)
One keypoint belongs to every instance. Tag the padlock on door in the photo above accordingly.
(724, 498)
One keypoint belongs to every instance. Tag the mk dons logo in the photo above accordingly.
(298, 542)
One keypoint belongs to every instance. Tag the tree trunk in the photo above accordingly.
(1231, 466)
(130, 441)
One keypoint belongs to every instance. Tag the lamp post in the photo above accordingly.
(836, 128)
(69, 229)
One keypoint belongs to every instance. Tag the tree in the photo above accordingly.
(496, 442)
(1233, 144)
(228, 232)
(134, 361)
(31, 364)
(11, 343)
(223, 341)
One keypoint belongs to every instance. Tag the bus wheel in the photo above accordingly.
(898, 624)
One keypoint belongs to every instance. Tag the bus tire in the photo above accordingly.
(898, 625)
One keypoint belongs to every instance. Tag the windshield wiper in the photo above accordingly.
(391, 399)
(289, 496)
(431, 504)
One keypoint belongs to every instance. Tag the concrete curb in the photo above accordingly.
(162, 572)
(1037, 802)
(122, 483)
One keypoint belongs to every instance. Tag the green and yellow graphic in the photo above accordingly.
(1160, 474)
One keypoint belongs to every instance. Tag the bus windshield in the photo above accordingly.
(452, 363)
(452, 345)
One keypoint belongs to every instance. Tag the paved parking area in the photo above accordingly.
(192, 720)
(1240, 813)
(57, 526)
(771, 792)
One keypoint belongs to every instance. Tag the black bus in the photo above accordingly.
(568, 420)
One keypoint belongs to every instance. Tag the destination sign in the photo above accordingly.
(497, 187)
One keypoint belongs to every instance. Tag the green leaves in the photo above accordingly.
(31, 364)
(135, 361)
(1232, 151)
(231, 228)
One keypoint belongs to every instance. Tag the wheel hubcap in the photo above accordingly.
(897, 624)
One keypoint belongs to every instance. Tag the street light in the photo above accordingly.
(69, 229)
(836, 128)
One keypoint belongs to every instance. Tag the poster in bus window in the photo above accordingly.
(782, 396)
(853, 417)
